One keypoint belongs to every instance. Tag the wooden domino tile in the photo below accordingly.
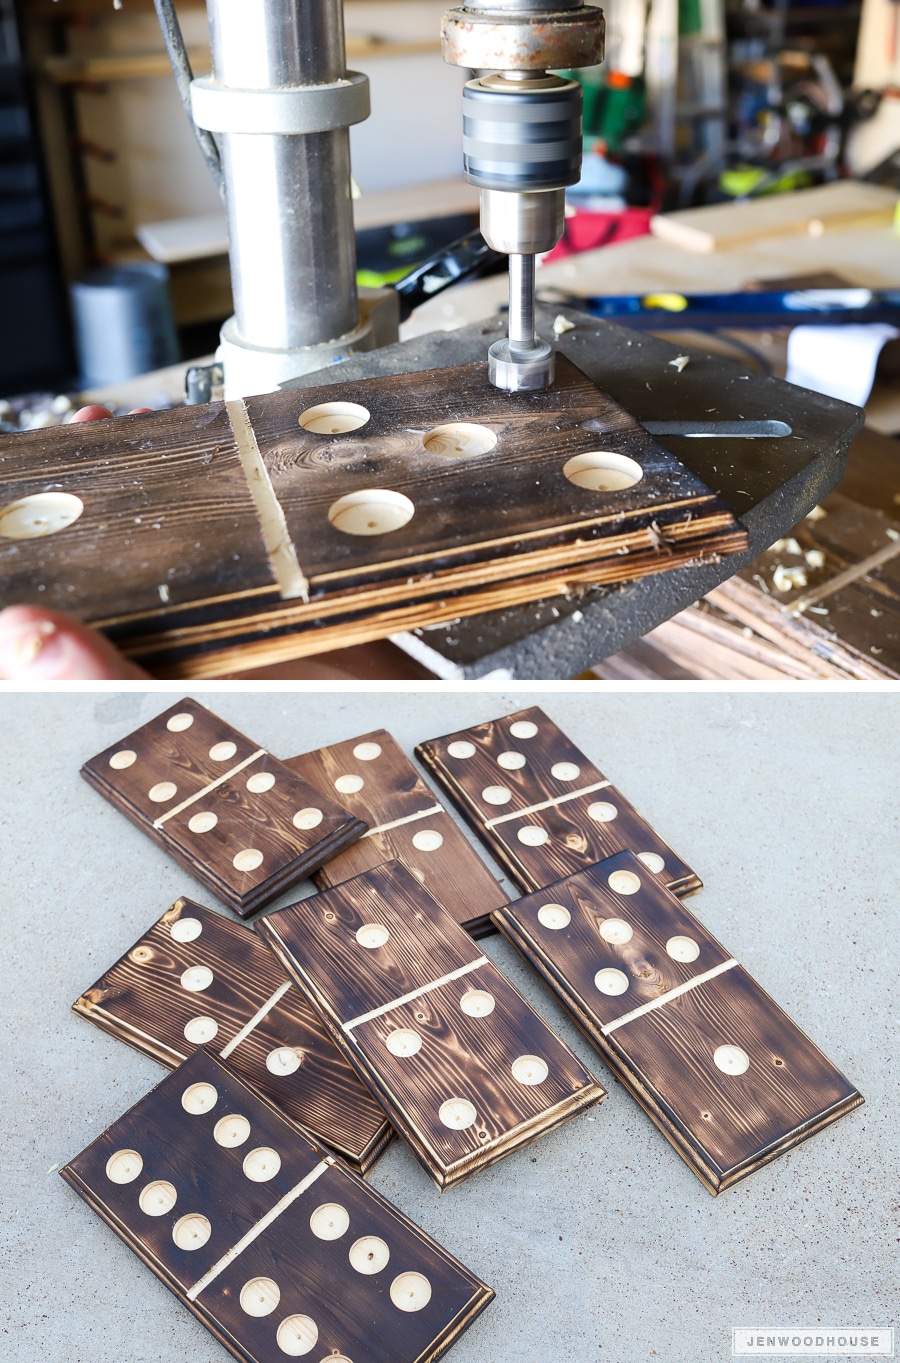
(278, 1248)
(542, 807)
(199, 979)
(465, 1069)
(378, 783)
(234, 816)
(721, 1069)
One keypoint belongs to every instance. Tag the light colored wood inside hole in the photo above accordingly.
(124, 1166)
(157, 1198)
(369, 1255)
(248, 859)
(191, 1231)
(231, 1131)
(162, 791)
(477, 1003)
(367, 752)
(122, 759)
(523, 728)
(284, 1060)
(186, 929)
(529, 1069)
(199, 1098)
(428, 840)
(372, 935)
(532, 836)
(511, 761)
(554, 916)
(349, 784)
(333, 418)
(260, 783)
(611, 981)
(457, 1113)
(204, 822)
(177, 724)
(43, 513)
(461, 750)
(683, 948)
(199, 1031)
(307, 818)
(624, 882)
(261, 1164)
(410, 1291)
(731, 1059)
(602, 812)
(404, 1041)
(653, 861)
(196, 978)
(602, 471)
(617, 931)
(259, 1297)
(371, 511)
(565, 771)
(297, 1335)
(459, 439)
(221, 752)
(330, 1221)
(496, 795)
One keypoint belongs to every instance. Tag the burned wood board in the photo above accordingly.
(542, 807)
(275, 1245)
(464, 1067)
(230, 535)
(718, 1066)
(228, 811)
(378, 783)
(199, 979)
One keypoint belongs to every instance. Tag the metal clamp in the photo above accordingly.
(299, 109)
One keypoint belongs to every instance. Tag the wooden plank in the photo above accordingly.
(270, 1241)
(407, 823)
(348, 534)
(234, 816)
(540, 805)
(157, 998)
(722, 1071)
(465, 1069)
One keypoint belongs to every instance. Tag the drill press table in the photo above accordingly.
(771, 484)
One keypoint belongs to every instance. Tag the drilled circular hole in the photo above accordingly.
(199, 1098)
(523, 728)
(511, 761)
(44, 513)
(186, 929)
(124, 1166)
(404, 1041)
(367, 752)
(260, 1296)
(231, 1131)
(191, 1231)
(459, 439)
(157, 1198)
(284, 1060)
(307, 818)
(731, 1059)
(624, 882)
(457, 1113)
(602, 471)
(554, 916)
(477, 1003)
(410, 1291)
(529, 1069)
(602, 812)
(261, 1164)
(372, 935)
(461, 750)
(369, 1254)
(610, 981)
(123, 759)
(249, 859)
(196, 978)
(221, 752)
(333, 418)
(532, 836)
(349, 785)
(565, 771)
(616, 931)
(371, 511)
(297, 1335)
(428, 840)
(496, 795)
(260, 783)
(199, 1031)
(162, 792)
(683, 948)
(653, 861)
(203, 822)
(177, 724)
(330, 1221)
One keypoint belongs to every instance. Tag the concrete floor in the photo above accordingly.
(600, 1243)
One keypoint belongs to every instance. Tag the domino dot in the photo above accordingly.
(177, 724)
(529, 1069)
(404, 1041)
(220, 752)
(461, 750)
(610, 981)
(248, 859)
(261, 1164)
(367, 752)
(523, 728)
(511, 761)
(124, 1166)
(186, 929)
(284, 1060)
(371, 511)
(259, 1297)
(428, 840)
(191, 1231)
(616, 931)
(196, 978)
(565, 771)
(200, 1030)
(457, 1113)
(624, 882)
(683, 948)
(496, 795)
(203, 822)
(731, 1059)
(601, 812)
(410, 1291)
(477, 1003)
(297, 1335)
(330, 1221)
(122, 759)
(199, 1098)
(333, 418)
(459, 439)
(307, 818)
(653, 861)
(372, 935)
(260, 783)
(349, 785)
(533, 836)
(162, 791)
(157, 1198)
(231, 1131)
(369, 1254)
(554, 916)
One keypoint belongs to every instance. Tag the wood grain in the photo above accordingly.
(142, 1001)
(168, 768)
(392, 790)
(465, 1041)
(575, 837)
(724, 1122)
(352, 1311)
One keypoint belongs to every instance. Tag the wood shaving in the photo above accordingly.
(680, 362)
(816, 514)
(562, 324)
(784, 579)
(815, 558)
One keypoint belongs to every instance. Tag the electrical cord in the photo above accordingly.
(181, 69)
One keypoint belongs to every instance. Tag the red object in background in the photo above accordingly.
(586, 231)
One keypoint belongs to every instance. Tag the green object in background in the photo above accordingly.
(613, 105)
(742, 180)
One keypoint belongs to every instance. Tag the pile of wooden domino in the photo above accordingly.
(299, 1047)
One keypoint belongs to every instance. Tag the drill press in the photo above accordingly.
(522, 146)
